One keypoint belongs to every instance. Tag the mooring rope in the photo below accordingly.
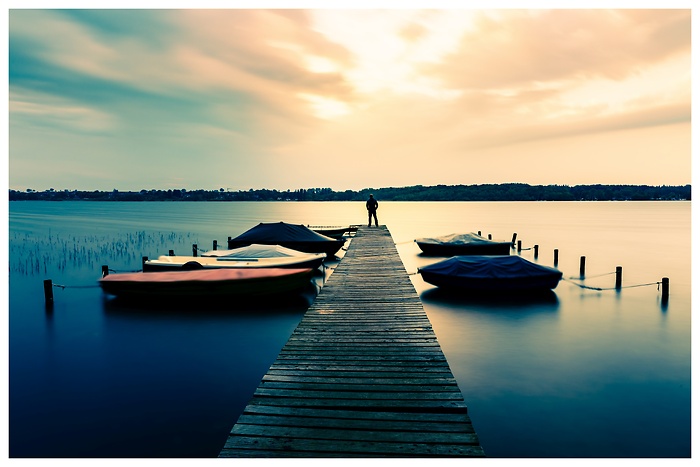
(75, 286)
(593, 277)
(657, 284)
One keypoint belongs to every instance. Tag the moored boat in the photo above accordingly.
(462, 244)
(494, 273)
(252, 256)
(334, 231)
(206, 283)
(296, 237)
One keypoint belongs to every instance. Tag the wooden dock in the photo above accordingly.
(361, 376)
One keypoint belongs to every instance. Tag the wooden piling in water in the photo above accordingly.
(214, 245)
(105, 270)
(556, 257)
(512, 242)
(48, 292)
(618, 277)
(582, 269)
(665, 288)
(194, 249)
(536, 248)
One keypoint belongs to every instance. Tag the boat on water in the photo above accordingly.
(491, 273)
(296, 237)
(334, 231)
(462, 244)
(207, 283)
(251, 256)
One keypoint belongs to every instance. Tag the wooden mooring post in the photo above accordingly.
(556, 257)
(48, 292)
(618, 277)
(582, 269)
(664, 288)
(194, 249)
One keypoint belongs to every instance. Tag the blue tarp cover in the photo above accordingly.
(496, 267)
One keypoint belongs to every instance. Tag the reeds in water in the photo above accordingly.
(34, 254)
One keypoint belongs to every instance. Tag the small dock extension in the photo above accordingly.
(361, 376)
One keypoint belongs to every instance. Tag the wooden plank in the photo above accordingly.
(355, 424)
(236, 446)
(435, 406)
(371, 435)
(365, 394)
(306, 412)
(362, 375)
(365, 385)
(365, 380)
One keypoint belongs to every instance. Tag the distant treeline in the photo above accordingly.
(493, 192)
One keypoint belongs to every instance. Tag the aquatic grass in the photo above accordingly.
(35, 255)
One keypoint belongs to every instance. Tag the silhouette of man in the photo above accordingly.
(372, 206)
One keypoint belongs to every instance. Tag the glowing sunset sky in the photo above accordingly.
(347, 98)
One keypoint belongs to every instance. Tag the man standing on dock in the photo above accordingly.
(372, 206)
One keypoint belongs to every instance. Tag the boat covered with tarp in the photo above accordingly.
(206, 283)
(462, 244)
(252, 256)
(491, 273)
(296, 237)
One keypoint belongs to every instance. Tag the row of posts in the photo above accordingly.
(582, 266)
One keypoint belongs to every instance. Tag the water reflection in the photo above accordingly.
(213, 307)
(541, 301)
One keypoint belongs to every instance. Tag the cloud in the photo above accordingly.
(516, 49)
(222, 86)
(269, 98)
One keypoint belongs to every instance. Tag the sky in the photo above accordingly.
(349, 97)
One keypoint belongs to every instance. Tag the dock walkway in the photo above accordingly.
(361, 376)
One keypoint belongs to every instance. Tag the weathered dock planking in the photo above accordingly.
(361, 376)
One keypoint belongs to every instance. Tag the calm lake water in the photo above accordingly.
(586, 373)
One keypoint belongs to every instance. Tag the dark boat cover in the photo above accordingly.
(491, 273)
(296, 237)
(462, 244)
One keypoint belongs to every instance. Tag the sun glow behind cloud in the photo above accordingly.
(388, 45)
(326, 108)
